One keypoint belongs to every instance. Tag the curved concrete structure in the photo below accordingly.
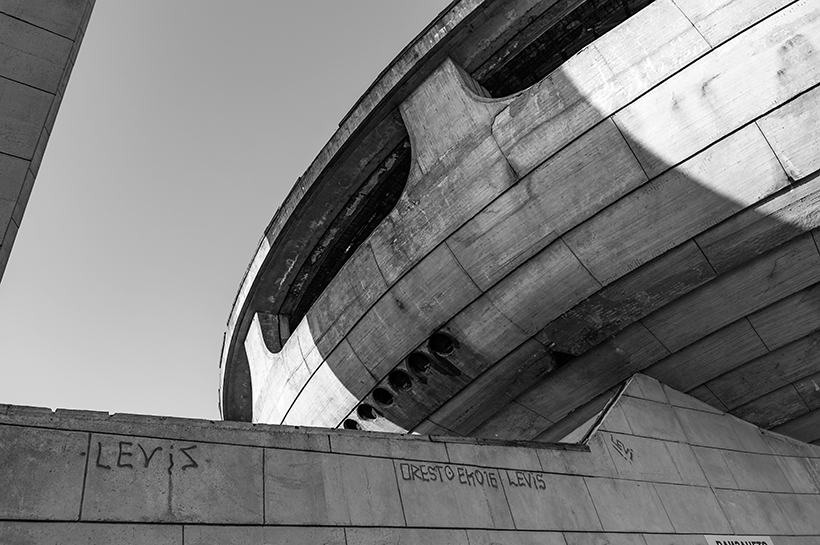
(537, 200)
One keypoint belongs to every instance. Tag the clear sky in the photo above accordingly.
(184, 125)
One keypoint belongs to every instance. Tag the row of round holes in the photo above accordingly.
(440, 343)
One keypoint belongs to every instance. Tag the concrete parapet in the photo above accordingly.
(76, 477)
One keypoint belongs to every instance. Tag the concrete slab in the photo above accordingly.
(509, 537)
(34, 533)
(450, 495)
(32, 55)
(405, 536)
(259, 535)
(687, 464)
(753, 512)
(801, 511)
(793, 130)
(799, 473)
(693, 509)
(628, 506)
(138, 479)
(330, 489)
(42, 473)
(597, 461)
(543, 501)
(641, 458)
(714, 467)
(24, 113)
(62, 17)
(494, 456)
(705, 429)
(367, 444)
(756, 472)
(604, 539)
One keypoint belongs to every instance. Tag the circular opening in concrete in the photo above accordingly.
(382, 396)
(399, 380)
(351, 424)
(367, 412)
(442, 344)
(418, 363)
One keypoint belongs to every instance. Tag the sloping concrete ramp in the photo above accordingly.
(660, 469)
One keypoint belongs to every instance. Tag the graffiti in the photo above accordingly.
(446, 473)
(526, 479)
(621, 449)
(126, 454)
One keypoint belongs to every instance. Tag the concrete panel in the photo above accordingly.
(348, 296)
(306, 488)
(41, 472)
(753, 512)
(249, 535)
(430, 294)
(798, 471)
(604, 539)
(652, 419)
(801, 511)
(24, 110)
(687, 464)
(543, 501)
(333, 390)
(709, 357)
(370, 444)
(693, 509)
(756, 472)
(748, 76)
(439, 203)
(405, 536)
(572, 186)
(788, 319)
(518, 537)
(781, 272)
(33, 533)
(140, 479)
(62, 17)
(715, 467)
(528, 296)
(709, 187)
(793, 130)
(12, 175)
(494, 456)
(709, 430)
(513, 421)
(449, 495)
(719, 20)
(587, 88)
(628, 506)
(31, 55)
(641, 459)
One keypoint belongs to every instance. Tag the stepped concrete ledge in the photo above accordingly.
(658, 467)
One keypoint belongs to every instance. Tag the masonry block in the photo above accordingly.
(41, 472)
(141, 479)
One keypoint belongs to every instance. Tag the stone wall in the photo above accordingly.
(39, 41)
(661, 469)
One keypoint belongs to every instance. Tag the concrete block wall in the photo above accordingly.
(661, 469)
(39, 41)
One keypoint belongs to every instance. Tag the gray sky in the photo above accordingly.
(184, 125)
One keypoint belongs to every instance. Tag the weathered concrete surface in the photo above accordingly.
(39, 41)
(650, 202)
(642, 479)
